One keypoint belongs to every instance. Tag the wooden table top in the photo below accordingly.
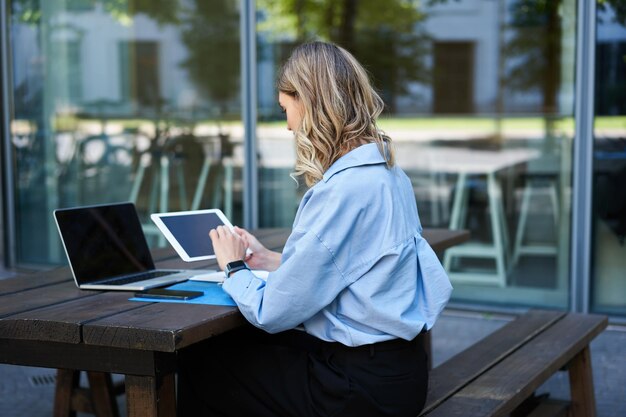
(47, 307)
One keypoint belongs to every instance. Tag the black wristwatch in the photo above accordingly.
(235, 266)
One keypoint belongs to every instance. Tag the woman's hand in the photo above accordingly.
(228, 246)
(261, 257)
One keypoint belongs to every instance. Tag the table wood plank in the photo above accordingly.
(500, 389)
(163, 327)
(273, 239)
(31, 280)
(31, 299)
(62, 322)
(442, 239)
(458, 371)
(439, 239)
(81, 356)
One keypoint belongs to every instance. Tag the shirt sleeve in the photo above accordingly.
(306, 282)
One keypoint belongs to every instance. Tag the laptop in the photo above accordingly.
(107, 250)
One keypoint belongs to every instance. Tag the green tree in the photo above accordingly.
(537, 41)
(536, 49)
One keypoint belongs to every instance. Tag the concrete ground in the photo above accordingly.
(28, 392)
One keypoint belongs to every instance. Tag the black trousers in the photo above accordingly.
(249, 372)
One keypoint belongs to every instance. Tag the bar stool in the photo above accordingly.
(189, 166)
(533, 189)
(496, 250)
(541, 181)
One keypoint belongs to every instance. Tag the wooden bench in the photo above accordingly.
(498, 375)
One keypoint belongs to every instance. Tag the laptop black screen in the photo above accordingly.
(103, 241)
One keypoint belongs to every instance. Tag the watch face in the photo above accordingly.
(236, 264)
(234, 267)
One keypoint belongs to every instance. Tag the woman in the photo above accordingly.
(341, 312)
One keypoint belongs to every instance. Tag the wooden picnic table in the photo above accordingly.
(46, 321)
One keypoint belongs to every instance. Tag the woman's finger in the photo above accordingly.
(222, 232)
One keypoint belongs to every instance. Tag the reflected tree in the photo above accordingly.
(534, 56)
(387, 37)
(610, 87)
(211, 34)
(618, 6)
(535, 47)
(162, 11)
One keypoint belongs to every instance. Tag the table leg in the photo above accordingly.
(581, 385)
(102, 394)
(67, 381)
(150, 396)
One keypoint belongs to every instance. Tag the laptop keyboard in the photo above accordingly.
(140, 277)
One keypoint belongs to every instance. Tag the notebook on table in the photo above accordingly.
(107, 250)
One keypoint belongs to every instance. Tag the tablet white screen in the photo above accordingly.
(191, 231)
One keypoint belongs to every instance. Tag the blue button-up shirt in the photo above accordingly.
(355, 268)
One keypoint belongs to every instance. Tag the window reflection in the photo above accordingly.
(124, 100)
(609, 162)
(479, 99)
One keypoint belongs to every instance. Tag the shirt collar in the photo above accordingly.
(363, 155)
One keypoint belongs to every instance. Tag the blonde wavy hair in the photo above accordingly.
(340, 107)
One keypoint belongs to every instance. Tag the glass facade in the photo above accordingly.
(141, 101)
(609, 163)
(123, 101)
(480, 102)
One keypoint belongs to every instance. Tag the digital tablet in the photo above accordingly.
(188, 231)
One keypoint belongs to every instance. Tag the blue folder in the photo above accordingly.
(213, 294)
